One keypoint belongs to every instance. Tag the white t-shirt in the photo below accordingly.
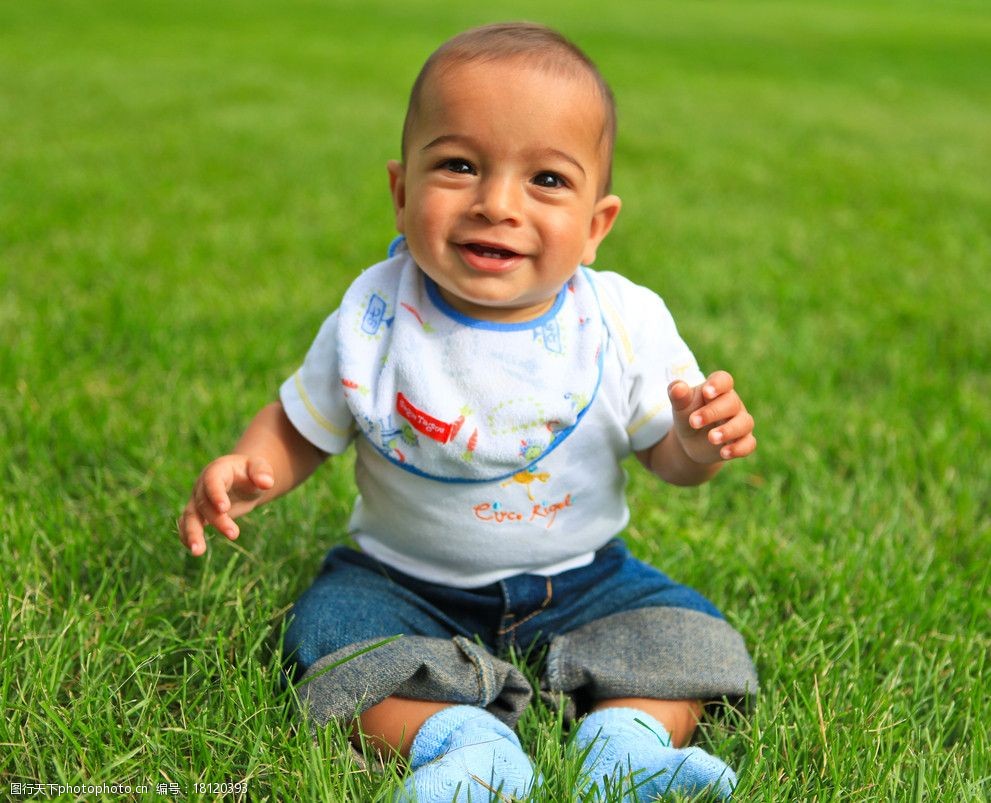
(550, 516)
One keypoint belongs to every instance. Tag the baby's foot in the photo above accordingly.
(465, 754)
(624, 742)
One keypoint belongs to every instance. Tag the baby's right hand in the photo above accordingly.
(228, 488)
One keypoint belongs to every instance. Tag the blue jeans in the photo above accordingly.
(615, 628)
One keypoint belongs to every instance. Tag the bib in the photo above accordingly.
(458, 399)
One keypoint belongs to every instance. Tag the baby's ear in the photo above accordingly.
(603, 217)
(397, 188)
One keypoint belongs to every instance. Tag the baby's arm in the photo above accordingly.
(711, 425)
(270, 459)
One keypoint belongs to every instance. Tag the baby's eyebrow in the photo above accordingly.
(562, 155)
(448, 139)
(458, 139)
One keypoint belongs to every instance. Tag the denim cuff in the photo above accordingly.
(345, 683)
(661, 653)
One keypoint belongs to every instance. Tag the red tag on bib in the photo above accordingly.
(434, 428)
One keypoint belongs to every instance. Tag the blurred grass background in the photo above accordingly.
(185, 190)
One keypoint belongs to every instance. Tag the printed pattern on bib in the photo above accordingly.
(459, 400)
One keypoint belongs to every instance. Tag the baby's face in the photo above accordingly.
(499, 196)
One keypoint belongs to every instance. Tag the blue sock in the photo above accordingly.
(624, 741)
(465, 754)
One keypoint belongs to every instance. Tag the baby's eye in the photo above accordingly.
(549, 181)
(462, 166)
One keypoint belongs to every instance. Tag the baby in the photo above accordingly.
(492, 384)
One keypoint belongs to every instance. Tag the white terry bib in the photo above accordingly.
(458, 399)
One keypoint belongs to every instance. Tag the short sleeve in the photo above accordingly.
(312, 396)
(653, 353)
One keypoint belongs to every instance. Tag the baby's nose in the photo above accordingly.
(499, 200)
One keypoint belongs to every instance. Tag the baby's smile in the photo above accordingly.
(490, 251)
(489, 257)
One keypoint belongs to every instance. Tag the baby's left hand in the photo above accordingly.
(710, 420)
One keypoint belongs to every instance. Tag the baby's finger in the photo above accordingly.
(260, 473)
(737, 427)
(226, 526)
(216, 486)
(220, 521)
(722, 408)
(684, 398)
(717, 383)
(191, 531)
(739, 448)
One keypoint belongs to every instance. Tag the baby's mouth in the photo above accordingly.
(490, 251)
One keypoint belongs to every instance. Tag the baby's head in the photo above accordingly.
(535, 45)
(504, 185)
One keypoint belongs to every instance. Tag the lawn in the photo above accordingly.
(185, 190)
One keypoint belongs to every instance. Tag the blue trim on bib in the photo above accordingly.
(433, 291)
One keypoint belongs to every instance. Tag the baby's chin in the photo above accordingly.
(498, 310)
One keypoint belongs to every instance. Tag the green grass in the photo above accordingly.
(185, 189)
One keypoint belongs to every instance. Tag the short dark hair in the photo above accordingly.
(543, 47)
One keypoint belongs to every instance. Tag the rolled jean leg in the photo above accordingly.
(664, 653)
(355, 600)
(347, 682)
